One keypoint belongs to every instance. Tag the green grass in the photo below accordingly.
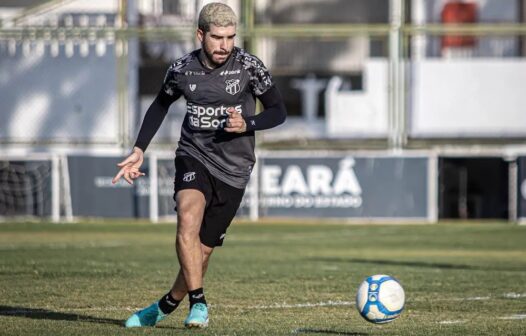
(268, 279)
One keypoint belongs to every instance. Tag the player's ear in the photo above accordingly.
(200, 35)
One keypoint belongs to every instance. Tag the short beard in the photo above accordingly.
(210, 58)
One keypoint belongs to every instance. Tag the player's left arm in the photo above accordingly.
(274, 113)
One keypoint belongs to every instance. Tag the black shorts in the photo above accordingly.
(222, 200)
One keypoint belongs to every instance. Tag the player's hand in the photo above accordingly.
(235, 122)
(130, 167)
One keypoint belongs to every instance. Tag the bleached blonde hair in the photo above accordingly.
(218, 14)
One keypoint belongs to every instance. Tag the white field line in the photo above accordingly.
(515, 295)
(513, 317)
(329, 303)
(304, 305)
(480, 298)
(452, 322)
(475, 298)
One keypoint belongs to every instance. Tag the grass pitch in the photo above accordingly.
(268, 279)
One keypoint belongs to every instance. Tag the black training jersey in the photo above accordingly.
(209, 93)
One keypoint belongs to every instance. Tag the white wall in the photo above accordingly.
(468, 98)
(359, 113)
(69, 99)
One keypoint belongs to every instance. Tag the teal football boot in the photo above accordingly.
(147, 317)
(198, 316)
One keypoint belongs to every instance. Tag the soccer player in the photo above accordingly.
(215, 154)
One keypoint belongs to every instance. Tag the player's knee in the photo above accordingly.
(188, 220)
(207, 251)
(186, 237)
(188, 226)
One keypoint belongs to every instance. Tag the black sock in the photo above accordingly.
(196, 296)
(167, 303)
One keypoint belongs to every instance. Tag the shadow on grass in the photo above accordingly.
(327, 331)
(418, 264)
(44, 314)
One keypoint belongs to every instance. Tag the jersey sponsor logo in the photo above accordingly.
(188, 177)
(209, 117)
(232, 86)
(192, 87)
(231, 72)
(194, 73)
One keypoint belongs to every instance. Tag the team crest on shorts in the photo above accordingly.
(188, 177)
(232, 86)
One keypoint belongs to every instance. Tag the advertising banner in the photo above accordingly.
(93, 194)
(165, 181)
(344, 187)
(333, 186)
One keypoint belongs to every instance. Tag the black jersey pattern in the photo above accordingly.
(260, 78)
(209, 93)
(170, 79)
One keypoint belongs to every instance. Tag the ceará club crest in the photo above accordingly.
(232, 86)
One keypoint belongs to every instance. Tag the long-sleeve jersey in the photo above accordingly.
(209, 93)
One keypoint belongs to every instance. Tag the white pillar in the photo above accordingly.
(254, 192)
(419, 41)
(55, 189)
(154, 189)
(396, 77)
(66, 188)
(432, 188)
(513, 188)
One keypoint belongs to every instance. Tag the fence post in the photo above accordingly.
(154, 189)
(55, 189)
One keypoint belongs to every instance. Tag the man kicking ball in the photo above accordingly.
(215, 154)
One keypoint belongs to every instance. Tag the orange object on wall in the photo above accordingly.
(458, 12)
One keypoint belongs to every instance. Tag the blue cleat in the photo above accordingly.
(147, 317)
(198, 316)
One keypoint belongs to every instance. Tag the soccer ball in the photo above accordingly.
(380, 299)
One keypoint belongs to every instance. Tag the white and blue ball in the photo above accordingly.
(380, 298)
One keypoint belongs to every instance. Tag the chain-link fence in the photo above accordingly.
(25, 188)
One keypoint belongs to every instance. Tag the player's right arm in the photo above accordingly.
(129, 168)
(154, 118)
